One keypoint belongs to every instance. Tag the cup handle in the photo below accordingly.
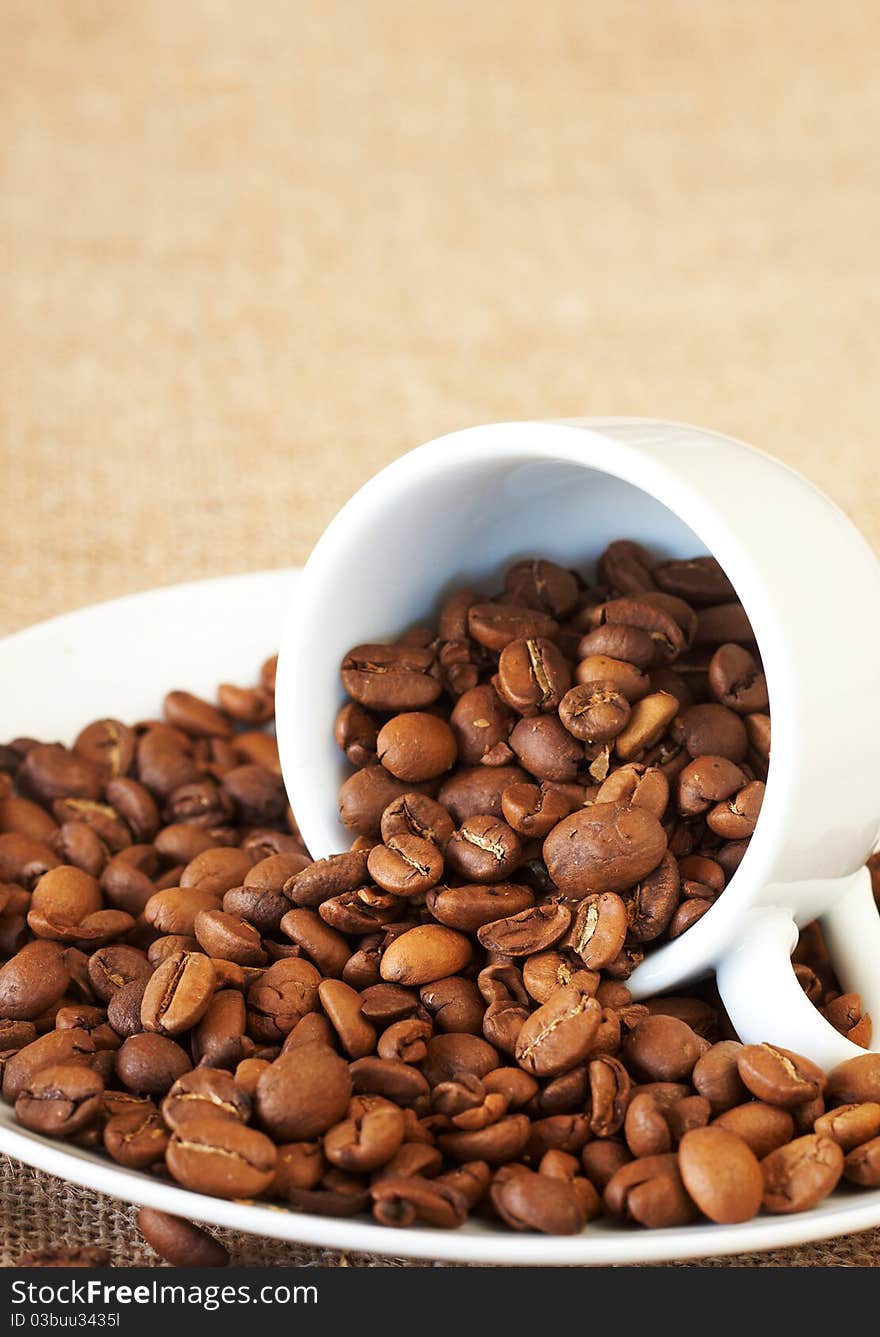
(761, 993)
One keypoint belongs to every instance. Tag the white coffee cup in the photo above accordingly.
(458, 510)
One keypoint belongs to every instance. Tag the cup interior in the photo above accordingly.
(403, 543)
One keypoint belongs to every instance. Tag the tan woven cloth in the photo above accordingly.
(252, 252)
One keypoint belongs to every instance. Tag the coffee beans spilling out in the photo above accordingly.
(433, 1024)
(587, 761)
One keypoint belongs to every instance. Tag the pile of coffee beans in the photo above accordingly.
(599, 750)
(434, 1024)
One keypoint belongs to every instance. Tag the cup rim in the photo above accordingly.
(586, 445)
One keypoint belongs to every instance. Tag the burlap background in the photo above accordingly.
(251, 252)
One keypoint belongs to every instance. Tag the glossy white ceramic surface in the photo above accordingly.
(460, 508)
(120, 658)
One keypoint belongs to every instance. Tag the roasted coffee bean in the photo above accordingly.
(533, 810)
(300, 1165)
(449, 1056)
(483, 849)
(495, 625)
(303, 1093)
(150, 1064)
(326, 948)
(648, 722)
(66, 894)
(405, 1040)
(779, 1077)
(736, 819)
(365, 796)
(23, 860)
(33, 981)
(455, 1005)
(272, 872)
(610, 1090)
(61, 1100)
(49, 1050)
(25, 818)
(368, 1138)
(542, 584)
(50, 771)
(405, 865)
(179, 1242)
(204, 1091)
(174, 910)
(560, 1034)
(533, 675)
(215, 871)
(716, 1076)
(616, 641)
(638, 785)
(481, 724)
(855, 1080)
(646, 1128)
(342, 1004)
(178, 993)
(602, 1159)
(663, 1049)
(246, 705)
(862, 1165)
(401, 1200)
(599, 929)
(722, 622)
(196, 717)
(528, 931)
(668, 637)
(452, 620)
(327, 877)
(257, 793)
(496, 1144)
(526, 1200)
(468, 908)
(355, 732)
(705, 782)
(627, 566)
(136, 1138)
(799, 1175)
(416, 746)
(423, 954)
(546, 749)
(606, 847)
(653, 901)
(721, 1173)
(699, 580)
(595, 712)
(686, 916)
(229, 937)
(391, 677)
(221, 1158)
(618, 675)
(712, 730)
(650, 1191)
(851, 1125)
(218, 1038)
(473, 790)
(201, 804)
(360, 911)
(737, 681)
(280, 997)
(419, 816)
(124, 1008)
(391, 1078)
(76, 843)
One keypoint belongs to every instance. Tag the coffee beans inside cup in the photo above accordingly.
(434, 1024)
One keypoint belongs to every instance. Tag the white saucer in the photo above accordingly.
(118, 659)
